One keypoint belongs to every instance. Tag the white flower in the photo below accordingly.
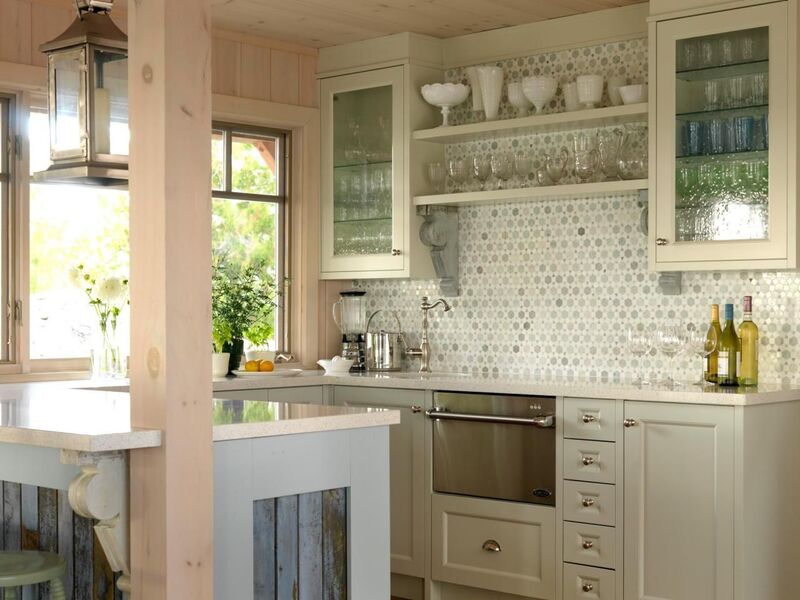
(75, 277)
(110, 290)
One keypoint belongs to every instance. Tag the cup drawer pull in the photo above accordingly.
(587, 502)
(491, 546)
(589, 418)
(587, 587)
(587, 460)
(587, 544)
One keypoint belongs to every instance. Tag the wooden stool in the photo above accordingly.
(18, 569)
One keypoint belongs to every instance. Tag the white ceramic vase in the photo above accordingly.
(571, 96)
(219, 364)
(491, 81)
(590, 90)
(475, 86)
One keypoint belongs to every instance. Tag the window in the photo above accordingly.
(248, 181)
(6, 226)
(71, 225)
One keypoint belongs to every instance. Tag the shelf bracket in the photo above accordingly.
(100, 492)
(439, 231)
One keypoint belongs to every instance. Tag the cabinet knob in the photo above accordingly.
(587, 544)
(416, 409)
(396, 252)
(589, 418)
(662, 241)
(587, 502)
(587, 460)
(629, 422)
(491, 546)
(587, 587)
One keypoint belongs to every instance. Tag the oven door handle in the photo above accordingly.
(543, 421)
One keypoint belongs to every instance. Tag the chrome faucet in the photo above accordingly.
(424, 350)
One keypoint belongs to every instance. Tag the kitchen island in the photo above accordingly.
(274, 463)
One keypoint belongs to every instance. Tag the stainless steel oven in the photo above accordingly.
(491, 446)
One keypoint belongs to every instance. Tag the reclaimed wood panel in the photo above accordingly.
(300, 547)
(334, 544)
(34, 518)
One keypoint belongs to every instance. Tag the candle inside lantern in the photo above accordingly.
(102, 121)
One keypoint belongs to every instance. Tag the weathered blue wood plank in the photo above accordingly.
(287, 549)
(12, 516)
(65, 537)
(48, 528)
(264, 549)
(310, 540)
(30, 529)
(82, 556)
(334, 544)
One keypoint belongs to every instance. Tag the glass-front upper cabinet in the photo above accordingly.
(362, 172)
(721, 122)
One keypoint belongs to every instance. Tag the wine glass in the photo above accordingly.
(502, 167)
(702, 344)
(523, 165)
(481, 169)
(640, 342)
(437, 175)
(459, 171)
(670, 340)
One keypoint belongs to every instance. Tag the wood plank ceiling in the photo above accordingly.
(322, 23)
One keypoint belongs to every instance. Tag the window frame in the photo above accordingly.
(281, 200)
(9, 141)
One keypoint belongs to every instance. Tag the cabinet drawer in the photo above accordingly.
(589, 502)
(501, 546)
(588, 583)
(590, 419)
(590, 461)
(593, 545)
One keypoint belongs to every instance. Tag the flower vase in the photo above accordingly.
(236, 350)
(106, 363)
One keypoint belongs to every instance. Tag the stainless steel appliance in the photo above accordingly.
(385, 349)
(491, 446)
(350, 315)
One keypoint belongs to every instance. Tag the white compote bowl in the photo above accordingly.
(517, 99)
(540, 90)
(445, 96)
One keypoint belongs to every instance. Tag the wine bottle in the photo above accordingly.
(714, 332)
(728, 351)
(748, 346)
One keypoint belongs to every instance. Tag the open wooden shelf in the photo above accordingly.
(602, 188)
(594, 117)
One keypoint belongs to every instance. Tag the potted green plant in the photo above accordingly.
(242, 305)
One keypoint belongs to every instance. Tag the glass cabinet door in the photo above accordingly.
(362, 161)
(721, 178)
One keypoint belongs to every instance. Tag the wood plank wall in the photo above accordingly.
(34, 518)
(300, 547)
(242, 65)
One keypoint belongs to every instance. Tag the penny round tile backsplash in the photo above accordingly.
(548, 287)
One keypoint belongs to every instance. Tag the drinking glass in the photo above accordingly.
(437, 175)
(706, 52)
(523, 166)
(701, 344)
(640, 342)
(670, 342)
(712, 92)
(555, 165)
(586, 156)
(714, 137)
(694, 138)
(689, 54)
(745, 140)
(502, 167)
(759, 83)
(608, 143)
(458, 171)
(745, 47)
(481, 169)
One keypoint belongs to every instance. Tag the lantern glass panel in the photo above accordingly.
(110, 112)
(68, 103)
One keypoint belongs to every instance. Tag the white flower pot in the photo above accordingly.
(219, 364)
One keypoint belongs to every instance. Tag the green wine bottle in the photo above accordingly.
(714, 332)
(748, 346)
(728, 351)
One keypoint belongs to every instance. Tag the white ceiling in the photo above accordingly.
(321, 23)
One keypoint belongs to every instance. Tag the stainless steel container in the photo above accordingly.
(385, 349)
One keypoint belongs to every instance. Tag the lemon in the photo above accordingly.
(266, 365)
(251, 365)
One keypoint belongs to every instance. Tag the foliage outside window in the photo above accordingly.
(85, 225)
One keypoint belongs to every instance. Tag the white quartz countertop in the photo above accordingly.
(98, 420)
(686, 393)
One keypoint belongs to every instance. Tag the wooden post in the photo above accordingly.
(170, 118)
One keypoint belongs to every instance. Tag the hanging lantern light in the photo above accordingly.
(88, 100)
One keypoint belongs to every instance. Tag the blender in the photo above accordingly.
(350, 315)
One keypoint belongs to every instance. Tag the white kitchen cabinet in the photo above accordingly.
(679, 502)
(407, 470)
(369, 225)
(723, 136)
